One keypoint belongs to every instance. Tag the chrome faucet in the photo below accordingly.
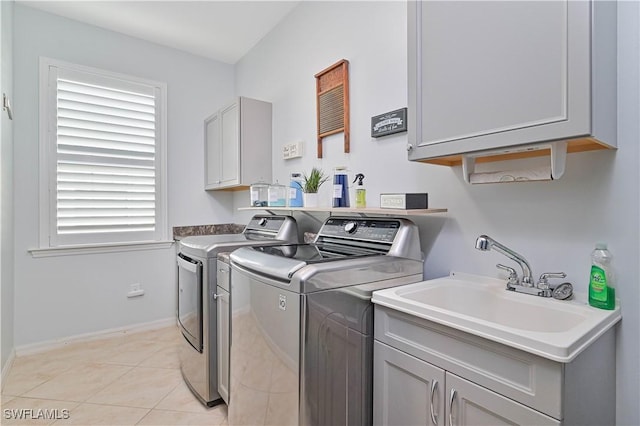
(486, 243)
(525, 285)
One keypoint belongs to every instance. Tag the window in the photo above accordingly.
(102, 147)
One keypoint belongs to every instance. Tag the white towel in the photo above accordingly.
(510, 176)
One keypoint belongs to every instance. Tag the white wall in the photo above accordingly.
(554, 224)
(6, 178)
(69, 295)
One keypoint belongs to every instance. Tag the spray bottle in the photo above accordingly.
(361, 193)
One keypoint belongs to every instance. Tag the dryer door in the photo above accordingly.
(190, 300)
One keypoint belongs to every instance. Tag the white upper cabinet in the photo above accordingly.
(486, 75)
(238, 145)
(212, 150)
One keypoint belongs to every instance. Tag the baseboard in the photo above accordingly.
(7, 368)
(35, 348)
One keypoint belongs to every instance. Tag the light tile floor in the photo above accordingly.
(131, 379)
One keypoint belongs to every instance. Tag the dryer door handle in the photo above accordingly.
(186, 263)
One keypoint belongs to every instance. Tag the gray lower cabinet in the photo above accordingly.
(470, 404)
(223, 343)
(223, 298)
(430, 374)
(409, 391)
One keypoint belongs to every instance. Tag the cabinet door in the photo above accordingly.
(223, 343)
(406, 390)
(213, 144)
(489, 74)
(230, 146)
(473, 405)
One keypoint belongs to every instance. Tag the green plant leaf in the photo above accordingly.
(314, 180)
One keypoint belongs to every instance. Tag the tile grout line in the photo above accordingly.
(162, 399)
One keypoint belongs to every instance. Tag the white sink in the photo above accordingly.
(554, 329)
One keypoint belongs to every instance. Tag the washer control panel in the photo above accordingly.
(266, 223)
(379, 230)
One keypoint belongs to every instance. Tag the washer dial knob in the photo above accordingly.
(350, 227)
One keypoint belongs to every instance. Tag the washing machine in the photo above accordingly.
(198, 300)
(302, 321)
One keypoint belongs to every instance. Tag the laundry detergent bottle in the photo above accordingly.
(340, 187)
(295, 190)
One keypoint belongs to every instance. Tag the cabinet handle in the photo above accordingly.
(215, 296)
(452, 397)
(6, 106)
(222, 270)
(434, 416)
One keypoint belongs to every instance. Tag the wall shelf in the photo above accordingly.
(372, 211)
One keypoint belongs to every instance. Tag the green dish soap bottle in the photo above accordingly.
(602, 293)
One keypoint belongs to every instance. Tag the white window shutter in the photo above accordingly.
(105, 142)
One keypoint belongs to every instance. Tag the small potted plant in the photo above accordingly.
(310, 187)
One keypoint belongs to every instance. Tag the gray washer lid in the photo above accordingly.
(206, 246)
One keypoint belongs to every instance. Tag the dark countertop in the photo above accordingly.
(180, 232)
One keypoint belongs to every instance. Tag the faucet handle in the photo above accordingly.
(513, 275)
(543, 282)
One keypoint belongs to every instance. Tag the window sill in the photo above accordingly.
(99, 248)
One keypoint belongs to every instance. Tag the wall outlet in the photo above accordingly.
(292, 150)
(135, 290)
